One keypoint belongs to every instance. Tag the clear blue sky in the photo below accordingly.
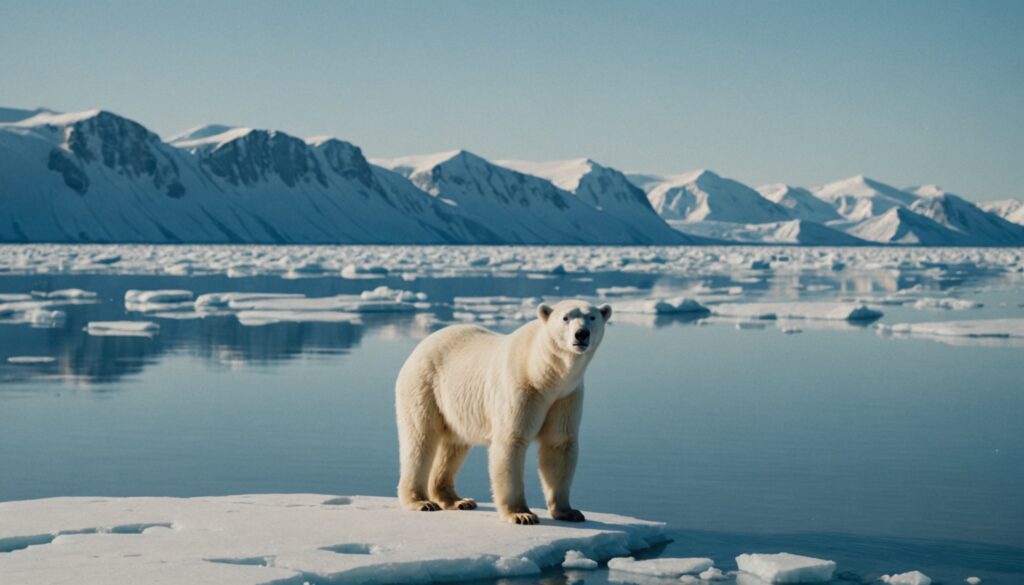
(801, 92)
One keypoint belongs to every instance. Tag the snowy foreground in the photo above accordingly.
(290, 538)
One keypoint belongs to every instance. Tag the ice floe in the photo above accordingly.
(947, 303)
(909, 578)
(828, 311)
(786, 568)
(671, 306)
(574, 559)
(662, 567)
(122, 328)
(975, 328)
(289, 538)
(31, 359)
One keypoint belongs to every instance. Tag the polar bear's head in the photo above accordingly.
(576, 326)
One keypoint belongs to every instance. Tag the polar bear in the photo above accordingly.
(465, 385)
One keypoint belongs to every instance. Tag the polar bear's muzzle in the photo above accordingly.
(581, 339)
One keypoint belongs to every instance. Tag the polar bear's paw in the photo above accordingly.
(524, 518)
(463, 504)
(425, 506)
(569, 515)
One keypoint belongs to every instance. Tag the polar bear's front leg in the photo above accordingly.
(506, 461)
(559, 450)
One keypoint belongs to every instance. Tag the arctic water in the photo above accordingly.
(883, 453)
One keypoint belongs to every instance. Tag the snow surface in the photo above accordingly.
(661, 567)
(786, 568)
(288, 538)
(910, 578)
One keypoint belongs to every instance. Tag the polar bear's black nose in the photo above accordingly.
(582, 335)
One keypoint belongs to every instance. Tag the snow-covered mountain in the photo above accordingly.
(799, 202)
(792, 232)
(1011, 210)
(519, 207)
(900, 225)
(96, 176)
(966, 218)
(859, 198)
(704, 196)
(604, 188)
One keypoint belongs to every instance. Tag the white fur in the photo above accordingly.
(465, 385)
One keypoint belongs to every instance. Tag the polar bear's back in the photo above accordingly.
(455, 371)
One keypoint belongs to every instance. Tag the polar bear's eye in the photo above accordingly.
(566, 318)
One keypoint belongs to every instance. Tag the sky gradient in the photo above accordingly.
(808, 92)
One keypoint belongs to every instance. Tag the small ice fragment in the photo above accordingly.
(31, 359)
(358, 271)
(713, 574)
(792, 330)
(157, 296)
(574, 559)
(122, 328)
(972, 580)
(662, 567)
(911, 578)
(786, 568)
(946, 303)
(689, 580)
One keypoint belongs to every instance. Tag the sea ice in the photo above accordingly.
(676, 305)
(31, 359)
(830, 311)
(288, 538)
(946, 303)
(574, 559)
(122, 328)
(662, 567)
(972, 580)
(997, 328)
(714, 574)
(911, 578)
(157, 296)
(786, 568)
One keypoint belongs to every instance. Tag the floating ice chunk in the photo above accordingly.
(14, 297)
(290, 538)
(340, 303)
(997, 328)
(676, 305)
(800, 310)
(383, 293)
(67, 293)
(689, 580)
(618, 291)
(946, 303)
(255, 318)
(157, 296)
(45, 318)
(911, 578)
(972, 580)
(574, 559)
(31, 359)
(786, 568)
(662, 567)
(223, 300)
(714, 574)
(357, 271)
(122, 328)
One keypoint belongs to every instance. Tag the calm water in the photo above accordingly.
(883, 454)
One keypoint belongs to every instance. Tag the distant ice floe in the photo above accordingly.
(370, 262)
(38, 309)
(910, 578)
(786, 568)
(948, 303)
(291, 538)
(672, 568)
(670, 306)
(828, 311)
(977, 330)
(31, 359)
(122, 328)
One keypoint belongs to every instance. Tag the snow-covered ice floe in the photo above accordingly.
(672, 568)
(122, 328)
(574, 559)
(31, 359)
(909, 578)
(946, 304)
(672, 306)
(288, 538)
(975, 331)
(786, 568)
(828, 311)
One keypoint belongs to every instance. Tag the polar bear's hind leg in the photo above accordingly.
(419, 431)
(451, 454)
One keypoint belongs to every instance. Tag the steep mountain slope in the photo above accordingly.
(966, 218)
(704, 196)
(859, 198)
(900, 225)
(1012, 210)
(801, 203)
(518, 207)
(604, 188)
(95, 176)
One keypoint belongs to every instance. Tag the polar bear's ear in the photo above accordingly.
(606, 311)
(544, 311)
